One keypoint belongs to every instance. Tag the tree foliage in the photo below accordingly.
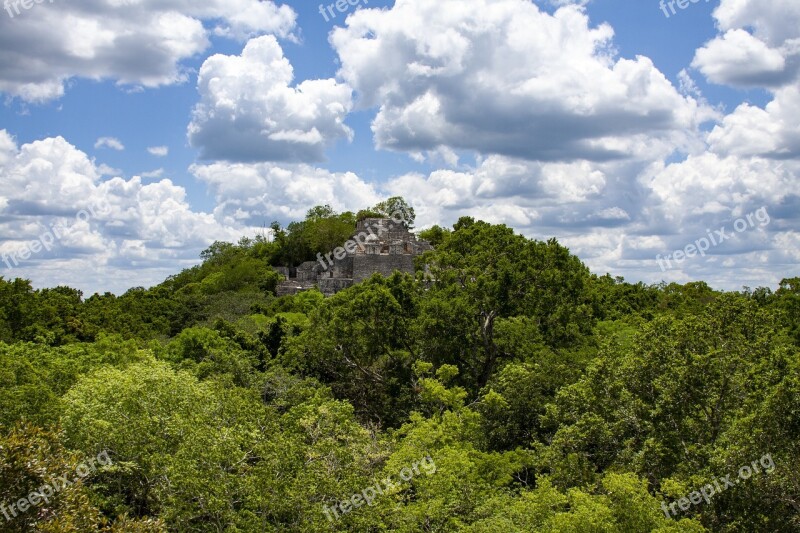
(501, 387)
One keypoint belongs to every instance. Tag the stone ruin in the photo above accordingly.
(382, 246)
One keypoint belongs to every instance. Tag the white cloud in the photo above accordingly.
(773, 21)
(710, 187)
(789, 242)
(503, 77)
(106, 170)
(255, 194)
(157, 173)
(50, 182)
(571, 142)
(753, 152)
(249, 112)
(759, 46)
(770, 132)
(615, 215)
(738, 58)
(140, 43)
(158, 151)
(109, 142)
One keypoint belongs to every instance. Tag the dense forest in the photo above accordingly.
(502, 388)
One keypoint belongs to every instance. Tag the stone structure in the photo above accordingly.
(378, 245)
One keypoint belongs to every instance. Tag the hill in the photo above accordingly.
(499, 386)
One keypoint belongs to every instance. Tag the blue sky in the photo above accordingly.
(624, 133)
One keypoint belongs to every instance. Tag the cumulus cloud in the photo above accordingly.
(536, 121)
(503, 77)
(109, 142)
(541, 198)
(257, 194)
(759, 46)
(499, 189)
(740, 59)
(772, 132)
(709, 187)
(140, 43)
(773, 21)
(134, 234)
(616, 215)
(248, 110)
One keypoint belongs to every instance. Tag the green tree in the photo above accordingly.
(396, 207)
(162, 430)
(30, 460)
(205, 353)
(483, 272)
(358, 342)
(434, 235)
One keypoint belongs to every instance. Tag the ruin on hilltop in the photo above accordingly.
(378, 245)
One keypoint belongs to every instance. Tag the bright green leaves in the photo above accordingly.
(359, 342)
(204, 353)
(57, 484)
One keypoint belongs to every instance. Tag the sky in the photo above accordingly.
(657, 141)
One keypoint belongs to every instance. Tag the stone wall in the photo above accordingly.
(308, 271)
(342, 268)
(365, 265)
(285, 288)
(330, 286)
